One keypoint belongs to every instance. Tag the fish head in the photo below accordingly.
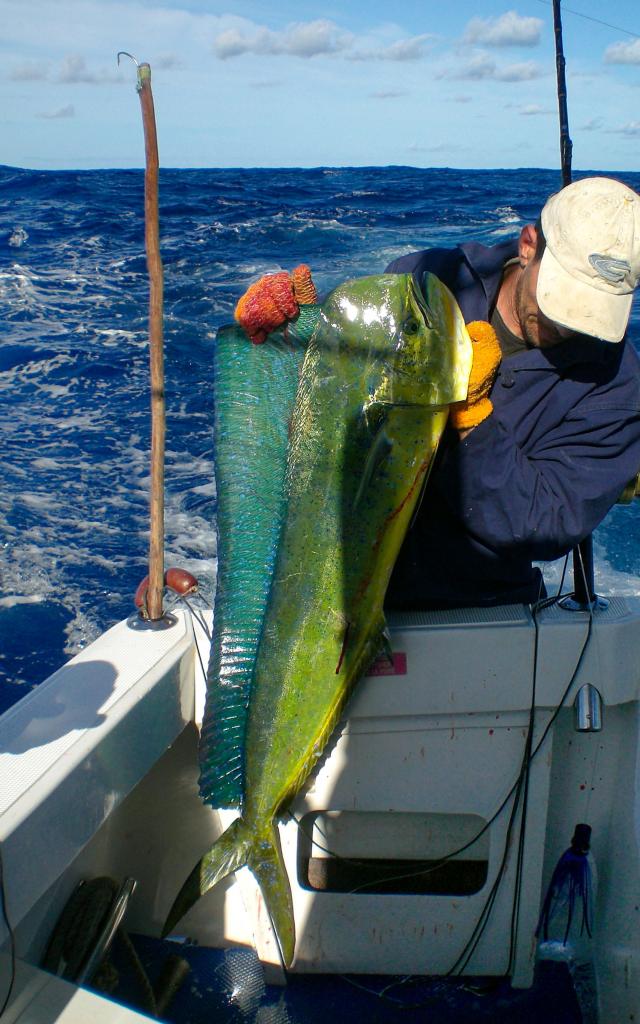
(405, 341)
(430, 349)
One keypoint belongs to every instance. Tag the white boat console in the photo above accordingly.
(98, 775)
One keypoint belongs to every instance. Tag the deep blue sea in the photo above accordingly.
(74, 415)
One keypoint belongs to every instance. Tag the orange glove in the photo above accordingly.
(486, 360)
(273, 300)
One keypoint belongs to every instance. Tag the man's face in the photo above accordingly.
(537, 329)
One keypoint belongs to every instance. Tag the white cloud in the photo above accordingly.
(533, 110)
(302, 39)
(510, 29)
(313, 39)
(631, 129)
(478, 66)
(29, 71)
(593, 125)
(481, 66)
(166, 61)
(106, 26)
(525, 72)
(74, 70)
(61, 112)
(623, 53)
(404, 49)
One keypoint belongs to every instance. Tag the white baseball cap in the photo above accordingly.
(591, 263)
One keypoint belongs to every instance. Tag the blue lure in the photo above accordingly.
(570, 885)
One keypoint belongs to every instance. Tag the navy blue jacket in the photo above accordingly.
(536, 476)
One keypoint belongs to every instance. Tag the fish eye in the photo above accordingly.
(411, 325)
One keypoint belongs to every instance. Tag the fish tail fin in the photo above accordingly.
(241, 845)
(229, 852)
(267, 864)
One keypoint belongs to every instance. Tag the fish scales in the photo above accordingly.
(384, 363)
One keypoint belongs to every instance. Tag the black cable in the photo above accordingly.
(527, 758)
(540, 605)
(517, 889)
(472, 942)
(523, 778)
(520, 787)
(199, 617)
(12, 938)
(587, 17)
(545, 603)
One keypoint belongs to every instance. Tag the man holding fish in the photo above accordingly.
(530, 481)
(540, 473)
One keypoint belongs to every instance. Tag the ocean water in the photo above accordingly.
(74, 376)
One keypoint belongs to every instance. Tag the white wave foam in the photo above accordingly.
(80, 631)
(608, 580)
(38, 501)
(18, 237)
(18, 599)
(507, 215)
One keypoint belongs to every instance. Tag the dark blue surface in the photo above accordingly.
(74, 415)
(227, 986)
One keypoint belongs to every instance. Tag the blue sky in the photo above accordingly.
(465, 83)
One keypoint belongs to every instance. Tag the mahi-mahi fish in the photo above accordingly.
(323, 482)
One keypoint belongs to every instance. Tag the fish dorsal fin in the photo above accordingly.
(255, 388)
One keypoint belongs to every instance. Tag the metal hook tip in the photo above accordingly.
(123, 53)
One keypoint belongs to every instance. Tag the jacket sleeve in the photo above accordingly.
(547, 500)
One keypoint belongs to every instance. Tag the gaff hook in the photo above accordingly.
(123, 53)
(144, 70)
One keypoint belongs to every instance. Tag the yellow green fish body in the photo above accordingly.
(385, 361)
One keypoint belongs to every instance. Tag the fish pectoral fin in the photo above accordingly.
(230, 852)
(379, 450)
(423, 487)
(267, 864)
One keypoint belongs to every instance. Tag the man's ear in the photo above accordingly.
(527, 244)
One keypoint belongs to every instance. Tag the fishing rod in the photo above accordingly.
(584, 594)
(566, 145)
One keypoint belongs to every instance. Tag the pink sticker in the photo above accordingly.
(383, 667)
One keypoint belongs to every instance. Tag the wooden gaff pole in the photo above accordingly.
(156, 344)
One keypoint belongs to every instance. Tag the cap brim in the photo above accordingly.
(573, 304)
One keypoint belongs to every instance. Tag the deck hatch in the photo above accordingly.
(391, 852)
